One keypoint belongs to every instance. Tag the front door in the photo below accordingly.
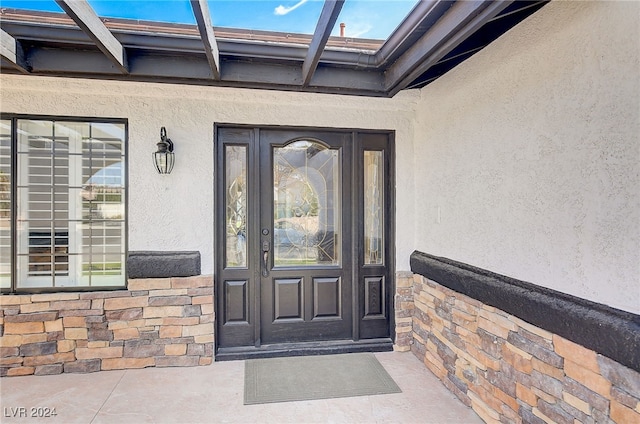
(305, 237)
(303, 262)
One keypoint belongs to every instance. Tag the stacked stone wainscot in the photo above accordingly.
(157, 322)
(507, 369)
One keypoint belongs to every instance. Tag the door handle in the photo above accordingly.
(266, 247)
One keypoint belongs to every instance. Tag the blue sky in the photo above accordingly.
(363, 18)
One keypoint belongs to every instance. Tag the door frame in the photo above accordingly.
(357, 344)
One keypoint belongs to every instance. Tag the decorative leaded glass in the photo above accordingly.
(306, 202)
(373, 211)
(236, 206)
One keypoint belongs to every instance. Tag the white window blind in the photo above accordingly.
(5, 203)
(71, 196)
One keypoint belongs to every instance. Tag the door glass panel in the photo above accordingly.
(306, 204)
(236, 206)
(373, 210)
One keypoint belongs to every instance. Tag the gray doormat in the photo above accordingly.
(315, 377)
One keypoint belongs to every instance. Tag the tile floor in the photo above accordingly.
(214, 394)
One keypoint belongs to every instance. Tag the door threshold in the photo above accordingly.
(303, 349)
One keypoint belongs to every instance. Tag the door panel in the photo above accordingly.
(236, 302)
(374, 299)
(375, 258)
(288, 303)
(327, 298)
(303, 213)
(303, 226)
(235, 289)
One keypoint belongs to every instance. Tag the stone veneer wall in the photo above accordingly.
(506, 369)
(155, 322)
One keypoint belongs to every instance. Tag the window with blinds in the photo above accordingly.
(70, 196)
(5, 204)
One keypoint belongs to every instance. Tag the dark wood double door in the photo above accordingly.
(303, 230)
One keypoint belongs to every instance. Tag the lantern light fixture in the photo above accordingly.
(164, 158)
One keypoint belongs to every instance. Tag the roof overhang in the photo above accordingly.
(433, 38)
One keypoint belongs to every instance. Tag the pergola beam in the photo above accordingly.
(462, 20)
(194, 69)
(85, 17)
(203, 19)
(422, 17)
(11, 51)
(326, 22)
(436, 33)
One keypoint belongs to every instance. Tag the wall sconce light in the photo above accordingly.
(164, 157)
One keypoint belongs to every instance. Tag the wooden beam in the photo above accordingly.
(460, 22)
(194, 69)
(422, 17)
(11, 51)
(425, 40)
(203, 18)
(326, 22)
(85, 17)
(188, 45)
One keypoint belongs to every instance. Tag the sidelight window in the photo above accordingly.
(373, 207)
(69, 192)
(236, 206)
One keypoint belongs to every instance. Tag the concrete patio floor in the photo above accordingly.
(214, 394)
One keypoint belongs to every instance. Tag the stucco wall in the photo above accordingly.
(527, 156)
(175, 212)
(524, 160)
